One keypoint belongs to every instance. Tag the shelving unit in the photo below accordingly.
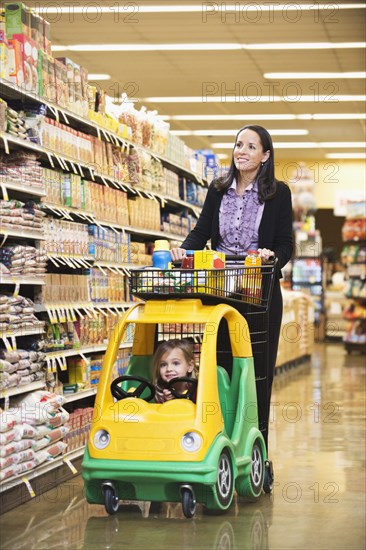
(69, 312)
(307, 275)
(353, 258)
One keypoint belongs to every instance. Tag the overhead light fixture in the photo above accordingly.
(315, 75)
(209, 8)
(261, 116)
(99, 76)
(260, 99)
(346, 155)
(302, 145)
(206, 46)
(209, 133)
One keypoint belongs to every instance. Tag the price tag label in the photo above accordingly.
(16, 290)
(6, 145)
(5, 192)
(7, 344)
(14, 343)
(50, 160)
(29, 486)
(62, 316)
(70, 465)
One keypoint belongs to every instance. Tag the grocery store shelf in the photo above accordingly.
(28, 331)
(40, 470)
(9, 280)
(12, 91)
(82, 351)
(23, 234)
(142, 231)
(39, 308)
(113, 305)
(22, 188)
(17, 390)
(80, 395)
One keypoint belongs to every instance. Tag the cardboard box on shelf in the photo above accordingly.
(17, 19)
(15, 63)
(29, 62)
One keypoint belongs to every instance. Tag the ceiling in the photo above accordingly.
(236, 73)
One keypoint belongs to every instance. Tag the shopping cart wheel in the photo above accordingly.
(188, 501)
(268, 477)
(111, 500)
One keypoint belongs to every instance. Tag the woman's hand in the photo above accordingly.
(177, 254)
(265, 254)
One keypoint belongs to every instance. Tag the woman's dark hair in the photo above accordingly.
(266, 181)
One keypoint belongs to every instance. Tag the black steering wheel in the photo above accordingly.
(188, 393)
(119, 393)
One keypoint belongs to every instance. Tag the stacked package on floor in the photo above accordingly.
(21, 167)
(18, 215)
(22, 261)
(21, 367)
(32, 432)
(16, 314)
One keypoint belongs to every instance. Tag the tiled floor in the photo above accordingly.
(317, 446)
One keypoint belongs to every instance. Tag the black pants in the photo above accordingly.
(264, 331)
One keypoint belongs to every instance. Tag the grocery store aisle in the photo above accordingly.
(317, 445)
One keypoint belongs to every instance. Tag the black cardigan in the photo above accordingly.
(275, 229)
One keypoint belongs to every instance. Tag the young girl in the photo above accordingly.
(172, 359)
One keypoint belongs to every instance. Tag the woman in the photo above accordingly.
(244, 210)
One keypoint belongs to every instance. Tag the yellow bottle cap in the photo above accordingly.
(161, 244)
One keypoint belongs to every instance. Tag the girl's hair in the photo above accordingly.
(168, 345)
(267, 184)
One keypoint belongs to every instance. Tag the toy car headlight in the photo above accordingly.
(191, 442)
(101, 439)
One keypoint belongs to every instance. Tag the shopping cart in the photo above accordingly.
(184, 450)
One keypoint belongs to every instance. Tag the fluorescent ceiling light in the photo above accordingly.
(205, 46)
(98, 76)
(251, 99)
(302, 145)
(209, 133)
(346, 155)
(319, 116)
(208, 8)
(316, 75)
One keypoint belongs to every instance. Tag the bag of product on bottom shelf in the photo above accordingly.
(32, 432)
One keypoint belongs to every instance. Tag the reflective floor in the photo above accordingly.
(317, 440)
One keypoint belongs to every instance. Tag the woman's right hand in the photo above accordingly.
(177, 254)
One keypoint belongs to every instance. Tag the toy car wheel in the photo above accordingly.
(111, 500)
(188, 503)
(225, 480)
(268, 477)
(257, 469)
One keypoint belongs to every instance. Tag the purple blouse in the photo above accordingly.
(239, 220)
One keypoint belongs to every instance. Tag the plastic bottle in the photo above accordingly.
(161, 256)
(188, 260)
(187, 275)
(252, 283)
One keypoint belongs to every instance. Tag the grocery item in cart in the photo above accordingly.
(252, 278)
